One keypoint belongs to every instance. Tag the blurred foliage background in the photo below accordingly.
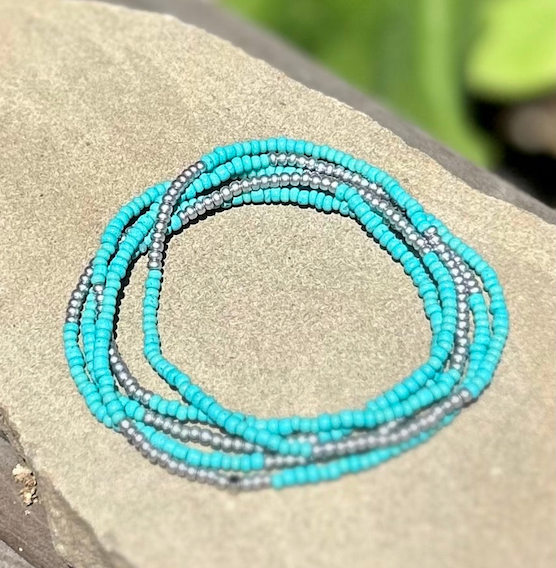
(479, 75)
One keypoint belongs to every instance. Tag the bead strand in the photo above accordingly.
(194, 436)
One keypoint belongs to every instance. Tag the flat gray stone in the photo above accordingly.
(273, 309)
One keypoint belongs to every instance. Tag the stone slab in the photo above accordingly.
(24, 529)
(273, 309)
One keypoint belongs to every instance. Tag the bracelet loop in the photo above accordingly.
(461, 294)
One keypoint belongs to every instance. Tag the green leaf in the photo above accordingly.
(514, 56)
(409, 53)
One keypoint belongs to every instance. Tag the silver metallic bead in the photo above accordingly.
(315, 182)
(394, 438)
(274, 180)
(382, 441)
(456, 401)
(372, 441)
(317, 453)
(172, 466)
(321, 167)
(205, 437)
(466, 395)
(211, 477)
(226, 193)
(413, 429)
(235, 188)
(208, 203)
(138, 439)
(163, 459)
(284, 180)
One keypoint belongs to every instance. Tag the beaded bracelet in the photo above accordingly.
(462, 298)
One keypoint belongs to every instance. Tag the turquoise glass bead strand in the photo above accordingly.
(194, 436)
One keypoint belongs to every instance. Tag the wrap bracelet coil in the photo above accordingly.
(197, 438)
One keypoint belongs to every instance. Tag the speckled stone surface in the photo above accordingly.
(272, 309)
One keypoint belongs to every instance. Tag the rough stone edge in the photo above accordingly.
(66, 526)
(73, 538)
(9, 558)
